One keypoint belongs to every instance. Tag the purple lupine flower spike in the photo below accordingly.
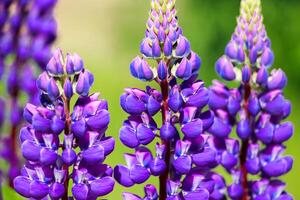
(183, 157)
(255, 109)
(63, 143)
(27, 32)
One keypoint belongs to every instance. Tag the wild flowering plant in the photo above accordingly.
(64, 143)
(183, 158)
(27, 31)
(256, 109)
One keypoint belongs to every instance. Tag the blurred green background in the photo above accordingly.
(107, 35)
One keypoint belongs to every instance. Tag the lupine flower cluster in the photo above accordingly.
(27, 30)
(63, 145)
(183, 157)
(255, 108)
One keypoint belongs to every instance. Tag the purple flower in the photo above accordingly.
(183, 157)
(61, 144)
(255, 109)
(27, 31)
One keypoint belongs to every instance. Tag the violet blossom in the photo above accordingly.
(256, 109)
(63, 142)
(183, 158)
(23, 50)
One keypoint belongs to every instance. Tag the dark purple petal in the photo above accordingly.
(128, 137)
(153, 106)
(78, 127)
(262, 76)
(102, 186)
(48, 156)
(175, 100)
(201, 194)
(108, 144)
(80, 191)
(243, 129)
(183, 47)
(139, 174)
(99, 121)
(206, 158)
(278, 167)
(69, 156)
(38, 190)
(121, 175)
(57, 190)
(182, 164)
(283, 132)
(144, 134)
(157, 166)
(68, 89)
(57, 125)
(266, 133)
(219, 128)
(228, 160)
(156, 51)
(253, 166)
(93, 154)
(183, 70)
(225, 68)
(277, 80)
(30, 150)
(267, 57)
(132, 105)
(193, 128)
(22, 186)
(52, 89)
(235, 191)
(167, 131)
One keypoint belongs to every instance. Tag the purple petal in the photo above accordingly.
(48, 156)
(80, 191)
(200, 194)
(225, 68)
(243, 129)
(102, 186)
(99, 121)
(30, 150)
(206, 158)
(153, 106)
(175, 100)
(57, 190)
(128, 137)
(182, 164)
(22, 186)
(278, 167)
(168, 131)
(93, 154)
(144, 134)
(193, 128)
(57, 125)
(121, 175)
(78, 127)
(219, 128)
(69, 156)
(157, 166)
(38, 190)
(139, 174)
(184, 69)
(267, 57)
(108, 144)
(283, 132)
(277, 80)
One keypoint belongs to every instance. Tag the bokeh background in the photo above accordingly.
(107, 34)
